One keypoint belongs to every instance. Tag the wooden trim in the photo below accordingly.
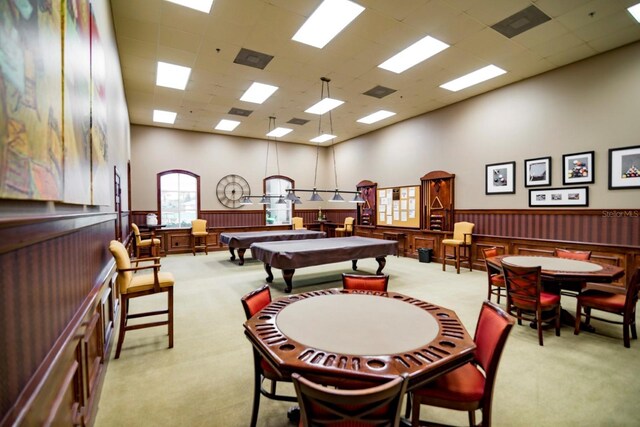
(537, 211)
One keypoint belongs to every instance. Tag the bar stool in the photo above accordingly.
(460, 243)
(199, 236)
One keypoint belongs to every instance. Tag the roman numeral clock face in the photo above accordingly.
(231, 189)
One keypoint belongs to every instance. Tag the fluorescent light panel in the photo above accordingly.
(278, 132)
(258, 93)
(201, 5)
(414, 54)
(326, 104)
(173, 76)
(323, 138)
(478, 76)
(227, 125)
(635, 11)
(331, 17)
(160, 116)
(376, 117)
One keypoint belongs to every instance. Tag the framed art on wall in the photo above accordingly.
(537, 172)
(624, 167)
(578, 168)
(500, 178)
(555, 197)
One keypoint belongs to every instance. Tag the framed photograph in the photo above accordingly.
(578, 168)
(556, 197)
(624, 167)
(500, 178)
(537, 172)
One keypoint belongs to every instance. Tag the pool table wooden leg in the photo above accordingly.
(288, 276)
(381, 263)
(233, 254)
(267, 268)
(241, 256)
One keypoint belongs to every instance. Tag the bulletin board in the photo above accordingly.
(399, 206)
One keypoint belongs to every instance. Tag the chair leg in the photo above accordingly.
(443, 249)
(576, 330)
(124, 309)
(539, 324)
(456, 251)
(634, 333)
(170, 314)
(472, 419)
(558, 313)
(256, 397)
(415, 412)
(193, 245)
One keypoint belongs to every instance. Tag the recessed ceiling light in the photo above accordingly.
(478, 76)
(161, 116)
(635, 11)
(228, 125)
(331, 17)
(258, 93)
(173, 76)
(414, 54)
(323, 106)
(201, 5)
(376, 117)
(278, 132)
(323, 138)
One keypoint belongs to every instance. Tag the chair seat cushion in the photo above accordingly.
(498, 280)
(547, 300)
(600, 299)
(144, 282)
(269, 372)
(452, 242)
(199, 233)
(464, 384)
(148, 242)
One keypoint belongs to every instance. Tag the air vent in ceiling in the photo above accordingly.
(240, 112)
(252, 58)
(296, 121)
(379, 91)
(520, 22)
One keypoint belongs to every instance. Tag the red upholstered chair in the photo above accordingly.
(365, 283)
(252, 303)
(525, 295)
(324, 406)
(621, 304)
(572, 289)
(497, 285)
(470, 387)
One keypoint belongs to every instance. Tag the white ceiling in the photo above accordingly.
(148, 31)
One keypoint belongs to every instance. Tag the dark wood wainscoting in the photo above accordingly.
(57, 308)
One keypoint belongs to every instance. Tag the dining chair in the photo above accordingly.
(461, 244)
(199, 236)
(327, 406)
(530, 301)
(470, 387)
(252, 303)
(621, 304)
(496, 283)
(346, 229)
(298, 223)
(151, 244)
(572, 289)
(361, 282)
(138, 285)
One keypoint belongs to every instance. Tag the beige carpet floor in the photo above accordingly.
(206, 379)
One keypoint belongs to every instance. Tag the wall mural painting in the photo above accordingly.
(77, 102)
(31, 146)
(100, 171)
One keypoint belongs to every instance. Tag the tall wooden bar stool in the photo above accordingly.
(461, 244)
(199, 236)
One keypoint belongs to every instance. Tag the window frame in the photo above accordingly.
(290, 203)
(159, 176)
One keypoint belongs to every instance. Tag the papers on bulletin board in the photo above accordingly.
(412, 204)
(403, 193)
(389, 209)
(412, 213)
(412, 192)
(381, 194)
(403, 216)
(396, 215)
(382, 208)
(389, 220)
(396, 205)
(382, 217)
(390, 193)
(403, 205)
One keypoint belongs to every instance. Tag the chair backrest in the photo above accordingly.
(633, 287)
(489, 253)
(348, 223)
(199, 225)
(366, 283)
(462, 231)
(123, 261)
(136, 232)
(523, 283)
(577, 255)
(492, 330)
(256, 300)
(297, 222)
(376, 406)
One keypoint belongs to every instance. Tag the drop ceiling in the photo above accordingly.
(148, 31)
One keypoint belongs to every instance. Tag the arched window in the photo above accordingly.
(178, 198)
(277, 213)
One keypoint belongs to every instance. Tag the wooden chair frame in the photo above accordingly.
(377, 283)
(492, 272)
(199, 242)
(138, 238)
(461, 251)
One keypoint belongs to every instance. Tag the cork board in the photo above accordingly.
(399, 206)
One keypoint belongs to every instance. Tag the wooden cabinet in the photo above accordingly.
(367, 214)
(438, 195)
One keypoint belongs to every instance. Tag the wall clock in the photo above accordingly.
(230, 189)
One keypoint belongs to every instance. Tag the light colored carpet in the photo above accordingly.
(206, 379)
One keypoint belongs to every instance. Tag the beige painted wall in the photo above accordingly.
(592, 105)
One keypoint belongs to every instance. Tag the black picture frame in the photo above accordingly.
(624, 168)
(537, 172)
(559, 197)
(500, 178)
(578, 168)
